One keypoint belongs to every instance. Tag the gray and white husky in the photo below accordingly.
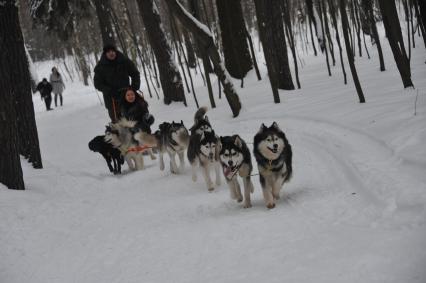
(172, 138)
(235, 159)
(129, 140)
(203, 149)
(274, 157)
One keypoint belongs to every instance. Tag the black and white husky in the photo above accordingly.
(235, 159)
(130, 141)
(201, 122)
(273, 155)
(172, 138)
(203, 148)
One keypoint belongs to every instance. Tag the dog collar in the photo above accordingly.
(271, 166)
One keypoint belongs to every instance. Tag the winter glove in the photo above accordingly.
(149, 119)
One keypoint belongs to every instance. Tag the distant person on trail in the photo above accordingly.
(135, 108)
(57, 85)
(45, 89)
(112, 74)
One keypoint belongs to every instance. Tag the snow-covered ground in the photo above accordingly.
(355, 210)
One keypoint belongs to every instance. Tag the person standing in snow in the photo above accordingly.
(135, 108)
(57, 85)
(45, 89)
(112, 76)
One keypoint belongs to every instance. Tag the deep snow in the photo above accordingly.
(355, 210)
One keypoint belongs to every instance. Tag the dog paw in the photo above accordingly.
(240, 199)
(247, 205)
(153, 157)
(270, 205)
(211, 189)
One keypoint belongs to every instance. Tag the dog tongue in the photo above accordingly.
(226, 171)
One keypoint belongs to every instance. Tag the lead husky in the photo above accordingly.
(235, 159)
(129, 140)
(172, 138)
(273, 155)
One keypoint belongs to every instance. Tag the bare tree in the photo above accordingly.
(10, 163)
(396, 41)
(103, 11)
(345, 27)
(369, 21)
(271, 32)
(170, 78)
(234, 43)
(204, 36)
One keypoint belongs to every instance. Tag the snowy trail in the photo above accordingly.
(354, 211)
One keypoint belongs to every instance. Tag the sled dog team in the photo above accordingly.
(205, 149)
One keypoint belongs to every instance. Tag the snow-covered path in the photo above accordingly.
(355, 210)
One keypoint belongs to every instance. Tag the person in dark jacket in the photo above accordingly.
(135, 108)
(45, 89)
(112, 75)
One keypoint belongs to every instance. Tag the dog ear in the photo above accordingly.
(181, 122)
(275, 126)
(206, 119)
(262, 128)
(238, 142)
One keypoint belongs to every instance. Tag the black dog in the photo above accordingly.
(111, 154)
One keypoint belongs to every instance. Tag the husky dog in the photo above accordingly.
(203, 150)
(201, 122)
(172, 138)
(273, 155)
(130, 141)
(235, 158)
(112, 156)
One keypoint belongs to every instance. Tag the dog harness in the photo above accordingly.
(139, 148)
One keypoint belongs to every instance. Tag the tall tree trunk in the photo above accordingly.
(234, 43)
(10, 163)
(290, 38)
(334, 20)
(171, 80)
(271, 32)
(195, 12)
(345, 27)
(205, 38)
(103, 10)
(27, 128)
(189, 50)
(396, 42)
(370, 22)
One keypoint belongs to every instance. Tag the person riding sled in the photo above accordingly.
(112, 74)
(134, 107)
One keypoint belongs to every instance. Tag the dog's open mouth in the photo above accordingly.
(229, 171)
(274, 150)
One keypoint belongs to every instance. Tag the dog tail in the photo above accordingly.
(200, 114)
